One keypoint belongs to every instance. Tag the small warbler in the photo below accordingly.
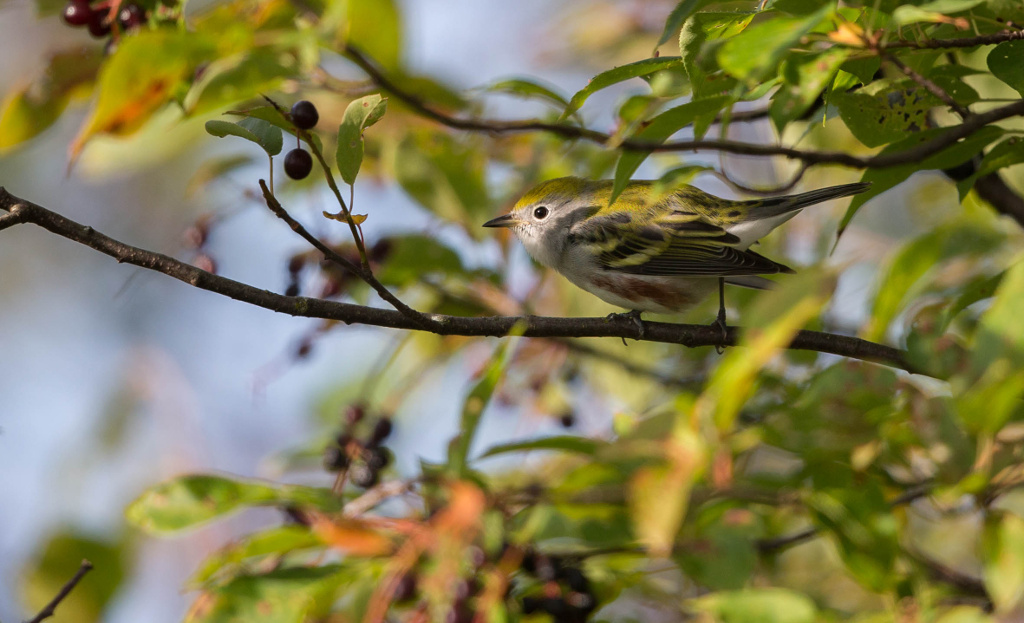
(659, 255)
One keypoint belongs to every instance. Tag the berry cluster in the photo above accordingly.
(362, 459)
(101, 18)
(297, 162)
(565, 593)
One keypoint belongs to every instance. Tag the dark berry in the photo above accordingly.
(335, 459)
(377, 458)
(298, 163)
(576, 580)
(406, 588)
(292, 290)
(77, 13)
(567, 420)
(546, 570)
(380, 251)
(363, 476)
(466, 589)
(354, 414)
(305, 347)
(381, 431)
(304, 114)
(296, 263)
(531, 604)
(98, 26)
(131, 16)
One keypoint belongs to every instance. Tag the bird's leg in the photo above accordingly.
(633, 315)
(720, 321)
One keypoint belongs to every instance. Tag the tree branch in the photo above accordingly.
(65, 590)
(492, 126)
(21, 211)
(966, 42)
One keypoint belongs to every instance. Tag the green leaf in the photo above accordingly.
(272, 116)
(564, 443)
(473, 410)
(62, 553)
(999, 335)
(360, 114)
(446, 176)
(1003, 555)
(616, 75)
(1006, 154)
(674, 178)
(146, 71)
(251, 129)
(886, 116)
(675, 20)
(280, 596)
(889, 177)
(27, 111)
(529, 88)
(191, 500)
(238, 78)
(375, 27)
(755, 53)
(271, 542)
(935, 11)
(779, 314)
(1004, 63)
(756, 605)
(657, 130)
(901, 282)
(865, 530)
(700, 38)
(412, 257)
(805, 79)
(978, 289)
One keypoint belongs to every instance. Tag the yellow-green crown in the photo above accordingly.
(555, 191)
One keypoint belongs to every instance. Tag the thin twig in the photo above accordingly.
(493, 326)
(776, 190)
(573, 132)
(362, 272)
(965, 42)
(65, 590)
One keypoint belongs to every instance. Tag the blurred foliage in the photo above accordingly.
(765, 485)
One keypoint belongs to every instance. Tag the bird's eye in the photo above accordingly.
(540, 212)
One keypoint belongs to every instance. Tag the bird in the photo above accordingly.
(645, 253)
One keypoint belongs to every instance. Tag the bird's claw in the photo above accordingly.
(633, 315)
(720, 323)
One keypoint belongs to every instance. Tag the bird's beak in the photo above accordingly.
(505, 220)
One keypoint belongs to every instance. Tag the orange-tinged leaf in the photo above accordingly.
(465, 508)
(352, 536)
(145, 73)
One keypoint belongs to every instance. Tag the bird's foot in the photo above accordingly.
(635, 317)
(720, 323)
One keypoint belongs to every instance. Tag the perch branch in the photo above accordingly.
(21, 211)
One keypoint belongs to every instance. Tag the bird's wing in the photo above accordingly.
(668, 242)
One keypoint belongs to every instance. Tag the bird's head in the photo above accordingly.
(541, 219)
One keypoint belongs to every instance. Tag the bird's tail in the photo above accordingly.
(775, 206)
